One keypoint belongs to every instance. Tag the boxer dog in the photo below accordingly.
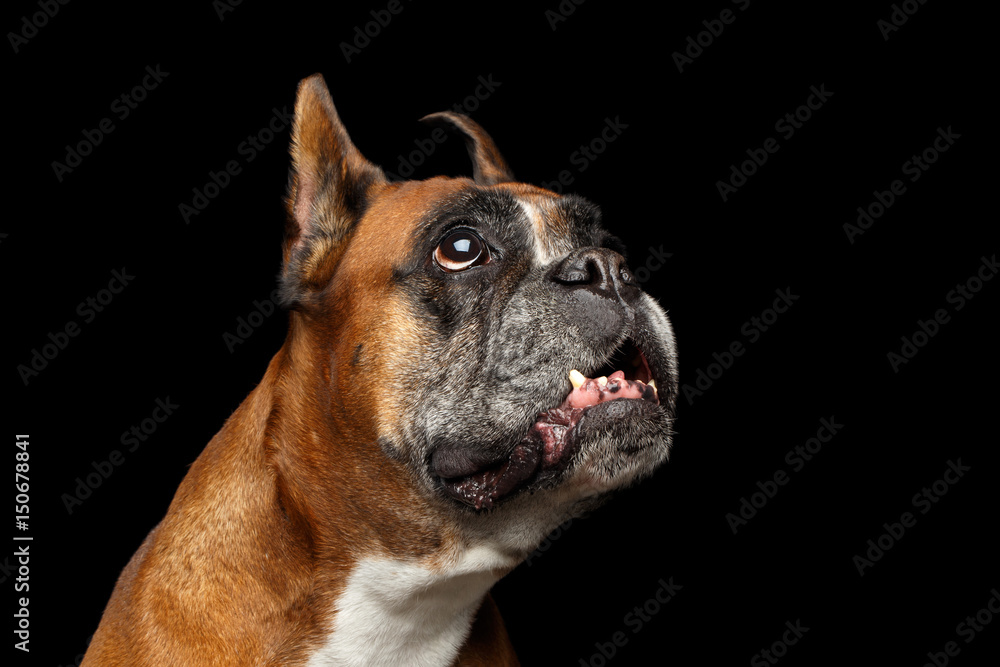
(468, 363)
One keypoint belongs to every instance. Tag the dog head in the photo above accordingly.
(451, 312)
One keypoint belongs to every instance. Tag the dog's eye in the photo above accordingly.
(461, 250)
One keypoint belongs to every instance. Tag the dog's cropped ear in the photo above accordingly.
(329, 185)
(488, 166)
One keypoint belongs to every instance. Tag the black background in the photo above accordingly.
(162, 336)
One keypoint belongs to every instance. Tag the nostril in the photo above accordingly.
(600, 271)
(574, 275)
(594, 283)
(627, 277)
(599, 268)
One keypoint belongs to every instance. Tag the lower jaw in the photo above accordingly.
(543, 456)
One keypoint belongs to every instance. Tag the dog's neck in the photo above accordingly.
(410, 594)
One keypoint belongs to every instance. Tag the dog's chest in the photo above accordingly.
(398, 613)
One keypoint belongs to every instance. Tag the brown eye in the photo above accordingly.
(461, 250)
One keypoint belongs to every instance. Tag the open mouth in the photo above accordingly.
(550, 443)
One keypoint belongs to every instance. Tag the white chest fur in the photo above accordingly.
(401, 613)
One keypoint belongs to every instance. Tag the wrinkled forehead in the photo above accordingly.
(558, 223)
(529, 218)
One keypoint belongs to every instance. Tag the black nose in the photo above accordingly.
(600, 271)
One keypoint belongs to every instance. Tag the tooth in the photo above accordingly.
(603, 381)
(652, 383)
(577, 378)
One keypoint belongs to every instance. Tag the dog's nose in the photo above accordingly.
(599, 270)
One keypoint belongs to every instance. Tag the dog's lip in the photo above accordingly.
(550, 443)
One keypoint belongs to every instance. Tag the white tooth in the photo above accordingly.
(577, 378)
(652, 383)
(603, 381)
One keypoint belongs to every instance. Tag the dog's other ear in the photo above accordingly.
(488, 166)
(329, 185)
